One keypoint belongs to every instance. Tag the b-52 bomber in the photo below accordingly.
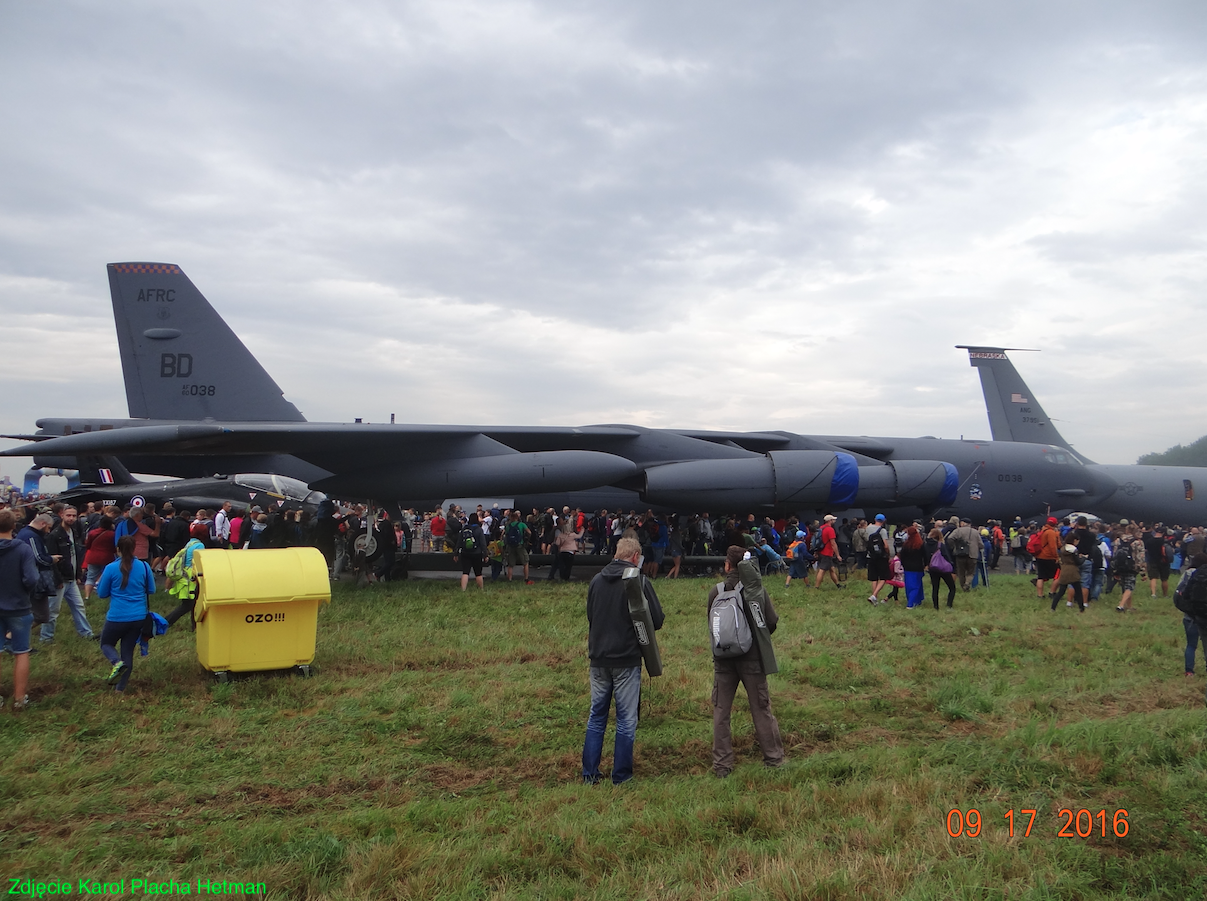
(200, 402)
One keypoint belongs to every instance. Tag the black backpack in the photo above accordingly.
(876, 546)
(469, 542)
(1122, 562)
(1191, 598)
(515, 534)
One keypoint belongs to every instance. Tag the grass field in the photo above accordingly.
(435, 754)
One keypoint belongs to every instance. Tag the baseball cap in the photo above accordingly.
(829, 517)
(879, 517)
(1124, 522)
(1051, 520)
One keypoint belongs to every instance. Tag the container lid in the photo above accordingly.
(264, 576)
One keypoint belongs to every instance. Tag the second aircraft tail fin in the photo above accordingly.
(179, 358)
(1014, 413)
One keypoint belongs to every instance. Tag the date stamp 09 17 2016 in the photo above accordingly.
(1074, 824)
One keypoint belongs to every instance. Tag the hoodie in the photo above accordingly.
(611, 641)
(18, 576)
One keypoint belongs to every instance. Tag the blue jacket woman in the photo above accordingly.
(126, 584)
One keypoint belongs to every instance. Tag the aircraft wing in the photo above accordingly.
(379, 460)
(760, 442)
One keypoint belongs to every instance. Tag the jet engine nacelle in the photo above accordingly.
(794, 479)
(544, 471)
(908, 483)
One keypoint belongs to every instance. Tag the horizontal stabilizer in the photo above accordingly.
(117, 441)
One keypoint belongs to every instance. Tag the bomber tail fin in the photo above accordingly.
(1014, 413)
(180, 359)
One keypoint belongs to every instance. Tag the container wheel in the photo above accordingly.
(222, 677)
(303, 670)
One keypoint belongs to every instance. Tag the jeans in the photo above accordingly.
(1087, 575)
(341, 557)
(128, 634)
(565, 563)
(94, 573)
(624, 684)
(1193, 637)
(980, 572)
(70, 592)
(20, 625)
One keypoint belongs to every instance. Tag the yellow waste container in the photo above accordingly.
(258, 609)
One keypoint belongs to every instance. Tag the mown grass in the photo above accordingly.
(435, 755)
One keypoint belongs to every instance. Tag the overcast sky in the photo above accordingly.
(714, 215)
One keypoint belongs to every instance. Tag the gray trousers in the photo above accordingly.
(726, 677)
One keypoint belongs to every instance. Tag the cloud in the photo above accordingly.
(699, 215)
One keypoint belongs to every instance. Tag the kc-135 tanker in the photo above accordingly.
(200, 403)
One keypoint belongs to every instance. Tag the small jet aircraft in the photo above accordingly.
(107, 481)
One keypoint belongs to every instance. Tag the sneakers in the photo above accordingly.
(873, 600)
(115, 674)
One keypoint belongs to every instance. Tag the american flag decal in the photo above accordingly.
(106, 476)
(147, 268)
(1018, 399)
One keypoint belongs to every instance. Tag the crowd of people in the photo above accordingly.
(1072, 554)
(54, 559)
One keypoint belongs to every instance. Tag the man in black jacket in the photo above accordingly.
(64, 542)
(18, 577)
(470, 544)
(34, 534)
(615, 663)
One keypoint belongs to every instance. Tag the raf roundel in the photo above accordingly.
(138, 501)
